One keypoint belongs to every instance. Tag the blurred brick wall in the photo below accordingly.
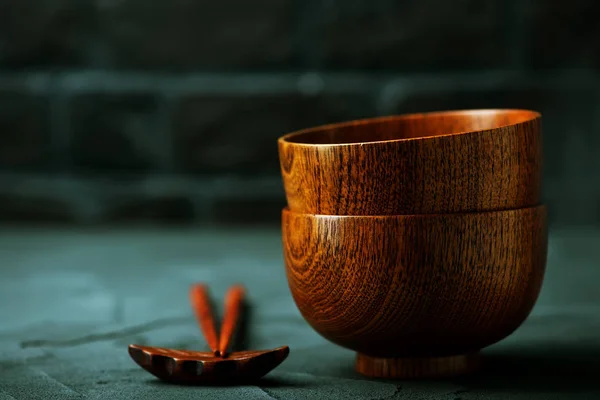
(169, 110)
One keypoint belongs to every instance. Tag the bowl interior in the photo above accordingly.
(410, 126)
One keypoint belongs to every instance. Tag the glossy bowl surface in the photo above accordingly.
(441, 162)
(421, 286)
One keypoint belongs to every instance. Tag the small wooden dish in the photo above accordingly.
(203, 367)
(219, 366)
(416, 296)
(442, 162)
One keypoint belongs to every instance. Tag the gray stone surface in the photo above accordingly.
(71, 301)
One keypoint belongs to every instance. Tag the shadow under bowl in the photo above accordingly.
(416, 296)
(440, 162)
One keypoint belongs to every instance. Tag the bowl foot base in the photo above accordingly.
(417, 368)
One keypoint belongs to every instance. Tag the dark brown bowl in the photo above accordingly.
(454, 161)
(416, 295)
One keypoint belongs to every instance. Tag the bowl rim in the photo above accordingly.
(532, 115)
(512, 211)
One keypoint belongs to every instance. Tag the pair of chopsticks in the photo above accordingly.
(202, 308)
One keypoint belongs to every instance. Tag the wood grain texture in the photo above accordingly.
(202, 367)
(455, 161)
(415, 286)
(418, 368)
(215, 367)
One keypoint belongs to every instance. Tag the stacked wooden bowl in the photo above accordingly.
(416, 240)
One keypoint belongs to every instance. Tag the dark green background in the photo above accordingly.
(120, 112)
(168, 110)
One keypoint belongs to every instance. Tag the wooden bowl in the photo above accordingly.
(454, 161)
(416, 295)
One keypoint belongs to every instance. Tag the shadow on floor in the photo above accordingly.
(266, 382)
(559, 369)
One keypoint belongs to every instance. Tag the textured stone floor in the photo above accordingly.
(71, 301)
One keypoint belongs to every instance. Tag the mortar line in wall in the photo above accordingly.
(93, 193)
(86, 79)
(83, 81)
(200, 188)
(166, 156)
(591, 151)
(60, 127)
(596, 126)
